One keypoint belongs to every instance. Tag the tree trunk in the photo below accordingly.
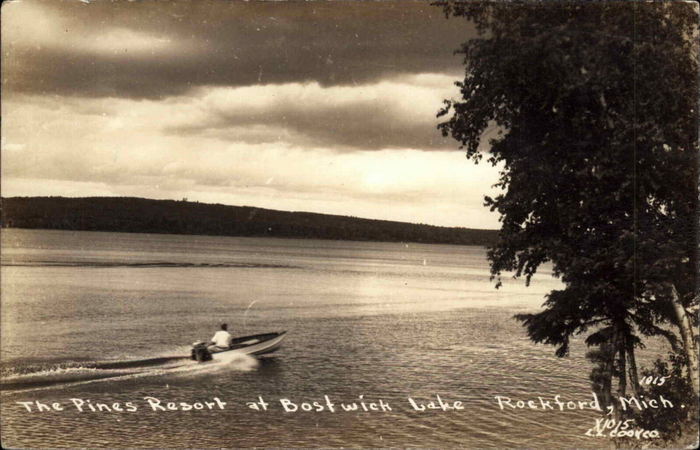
(609, 366)
(621, 387)
(632, 369)
(622, 375)
(688, 337)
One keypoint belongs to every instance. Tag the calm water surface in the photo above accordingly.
(85, 315)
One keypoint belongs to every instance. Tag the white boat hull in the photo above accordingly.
(257, 348)
(259, 344)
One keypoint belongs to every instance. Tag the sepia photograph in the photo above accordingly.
(349, 224)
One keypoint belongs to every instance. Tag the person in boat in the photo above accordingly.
(221, 340)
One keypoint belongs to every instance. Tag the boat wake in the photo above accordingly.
(235, 360)
(23, 378)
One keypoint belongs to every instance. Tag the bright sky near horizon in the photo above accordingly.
(326, 107)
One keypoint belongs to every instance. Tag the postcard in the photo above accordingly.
(326, 224)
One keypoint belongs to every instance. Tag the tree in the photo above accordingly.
(595, 104)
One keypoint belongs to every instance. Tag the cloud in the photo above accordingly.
(157, 49)
(31, 25)
(394, 113)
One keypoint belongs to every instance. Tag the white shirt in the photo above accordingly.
(222, 338)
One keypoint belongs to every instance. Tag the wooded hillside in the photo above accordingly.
(139, 215)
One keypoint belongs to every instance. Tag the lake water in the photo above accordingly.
(84, 315)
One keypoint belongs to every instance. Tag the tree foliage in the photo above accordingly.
(595, 104)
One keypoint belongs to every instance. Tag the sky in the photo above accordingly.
(318, 106)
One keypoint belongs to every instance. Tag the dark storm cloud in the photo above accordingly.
(228, 44)
(394, 114)
(346, 130)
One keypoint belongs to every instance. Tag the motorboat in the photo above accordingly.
(255, 345)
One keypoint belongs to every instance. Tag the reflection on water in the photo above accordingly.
(108, 317)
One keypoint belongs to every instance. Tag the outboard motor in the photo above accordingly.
(200, 352)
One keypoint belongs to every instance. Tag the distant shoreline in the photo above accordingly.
(4, 228)
(140, 215)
